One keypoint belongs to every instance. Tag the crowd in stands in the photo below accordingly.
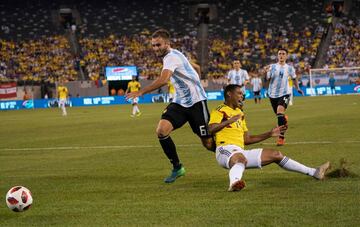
(344, 50)
(128, 50)
(256, 49)
(113, 33)
(47, 59)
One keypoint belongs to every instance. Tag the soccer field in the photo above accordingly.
(100, 167)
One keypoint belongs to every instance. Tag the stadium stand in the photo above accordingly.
(345, 45)
(46, 59)
(117, 33)
(22, 20)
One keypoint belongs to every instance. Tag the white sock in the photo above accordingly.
(137, 109)
(291, 165)
(63, 109)
(236, 172)
(134, 110)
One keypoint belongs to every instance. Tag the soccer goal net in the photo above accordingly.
(320, 81)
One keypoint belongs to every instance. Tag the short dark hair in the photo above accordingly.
(284, 49)
(230, 88)
(162, 33)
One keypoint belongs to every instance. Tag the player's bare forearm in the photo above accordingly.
(196, 67)
(159, 82)
(251, 139)
(215, 127)
(153, 86)
(296, 83)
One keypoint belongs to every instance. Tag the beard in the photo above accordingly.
(161, 53)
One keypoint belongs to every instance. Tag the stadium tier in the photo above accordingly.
(117, 33)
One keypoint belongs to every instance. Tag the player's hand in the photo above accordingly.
(132, 95)
(300, 92)
(275, 132)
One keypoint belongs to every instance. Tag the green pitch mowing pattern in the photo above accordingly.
(99, 167)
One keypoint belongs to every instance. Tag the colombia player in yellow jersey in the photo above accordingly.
(62, 92)
(171, 91)
(133, 86)
(228, 125)
(291, 97)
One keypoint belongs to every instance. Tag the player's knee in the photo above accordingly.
(161, 132)
(277, 155)
(238, 158)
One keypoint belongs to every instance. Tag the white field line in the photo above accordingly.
(155, 146)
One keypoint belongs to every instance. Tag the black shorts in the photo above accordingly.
(197, 116)
(281, 101)
(256, 93)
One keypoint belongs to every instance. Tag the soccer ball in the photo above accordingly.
(19, 199)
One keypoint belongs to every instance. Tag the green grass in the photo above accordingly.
(95, 180)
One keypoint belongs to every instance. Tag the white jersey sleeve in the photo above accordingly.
(246, 75)
(171, 62)
(228, 75)
(292, 73)
(268, 75)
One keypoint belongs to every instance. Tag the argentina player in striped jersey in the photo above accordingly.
(237, 75)
(188, 105)
(279, 89)
(256, 83)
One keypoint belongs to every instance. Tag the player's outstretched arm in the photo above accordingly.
(265, 70)
(196, 67)
(275, 132)
(159, 82)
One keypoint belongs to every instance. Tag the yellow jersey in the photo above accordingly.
(133, 86)
(171, 88)
(62, 92)
(233, 134)
(290, 82)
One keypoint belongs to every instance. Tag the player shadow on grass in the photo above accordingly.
(343, 171)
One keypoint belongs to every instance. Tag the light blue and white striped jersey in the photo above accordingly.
(256, 83)
(184, 78)
(279, 75)
(237, 76)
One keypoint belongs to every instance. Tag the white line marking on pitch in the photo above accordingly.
(152, 146)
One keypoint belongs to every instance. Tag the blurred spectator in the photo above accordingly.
(344, 50)
(357, 82)
(120, 92)
(332, 84)
(113, 92)
(27, 94)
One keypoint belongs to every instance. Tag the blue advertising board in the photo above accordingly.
(155, 98)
